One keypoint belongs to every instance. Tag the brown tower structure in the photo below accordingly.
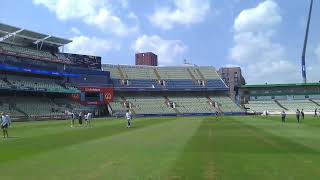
(232, 76)
(147, 59)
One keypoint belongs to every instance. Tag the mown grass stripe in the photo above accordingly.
(27, 146)
(196, 161)
(259, 154)
(177, 148)
(144, 153)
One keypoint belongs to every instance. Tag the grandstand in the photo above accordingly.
(35, 75)
(192, 104)
(173, 105)
(35, 83)
(174, 78)
(30, 105)
(226, 104)
(39, 81)
(292, 105)
(167, 91)
(281, 97)
(36, 106)
(261, 106)
(149, 105)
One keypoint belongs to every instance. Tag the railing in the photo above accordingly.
(168, 84)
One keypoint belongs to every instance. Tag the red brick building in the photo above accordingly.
(232, 76)
(147, 59)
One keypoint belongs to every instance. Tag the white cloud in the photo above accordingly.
(280, 71)
(169, 51)
(261, 18)
(91, 46)
(75, 31)
(105, 21)
(97, 13)
(256, 47)
(262, 59)
(186, 12)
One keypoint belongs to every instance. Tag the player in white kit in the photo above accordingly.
(129, 118)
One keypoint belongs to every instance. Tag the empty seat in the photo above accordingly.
(292, 105)
(34, 53)
(226, 104)
(172, 77)
(261, 106)
(192, 104)
(49, 85)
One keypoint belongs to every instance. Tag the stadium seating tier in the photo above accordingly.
(164, 77)
(161, 105)
(39, 54)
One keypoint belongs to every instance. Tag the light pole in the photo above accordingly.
(304, 73)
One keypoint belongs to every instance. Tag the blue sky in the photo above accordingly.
(264, 37)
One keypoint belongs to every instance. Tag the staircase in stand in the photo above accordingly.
(192, 76)
(132, 105)
(20, 111)
(201, 75)
(276, 101)
(157, 74)
(6, 81)
(314, 102)
(124, 100)
(213, 102)
(167, 101)
(133, 111)
(122, 75)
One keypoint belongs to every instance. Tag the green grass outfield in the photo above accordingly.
(238, 148)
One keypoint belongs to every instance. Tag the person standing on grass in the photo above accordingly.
(315, 112)
(89, 116)
(80, 118)
(216, 114)
(86, 119)
(5, 123)
(73, 116)
(302, 114)
(283, 116)
(298, 115)
(129, 118)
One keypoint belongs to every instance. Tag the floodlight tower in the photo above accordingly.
(304, 73)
